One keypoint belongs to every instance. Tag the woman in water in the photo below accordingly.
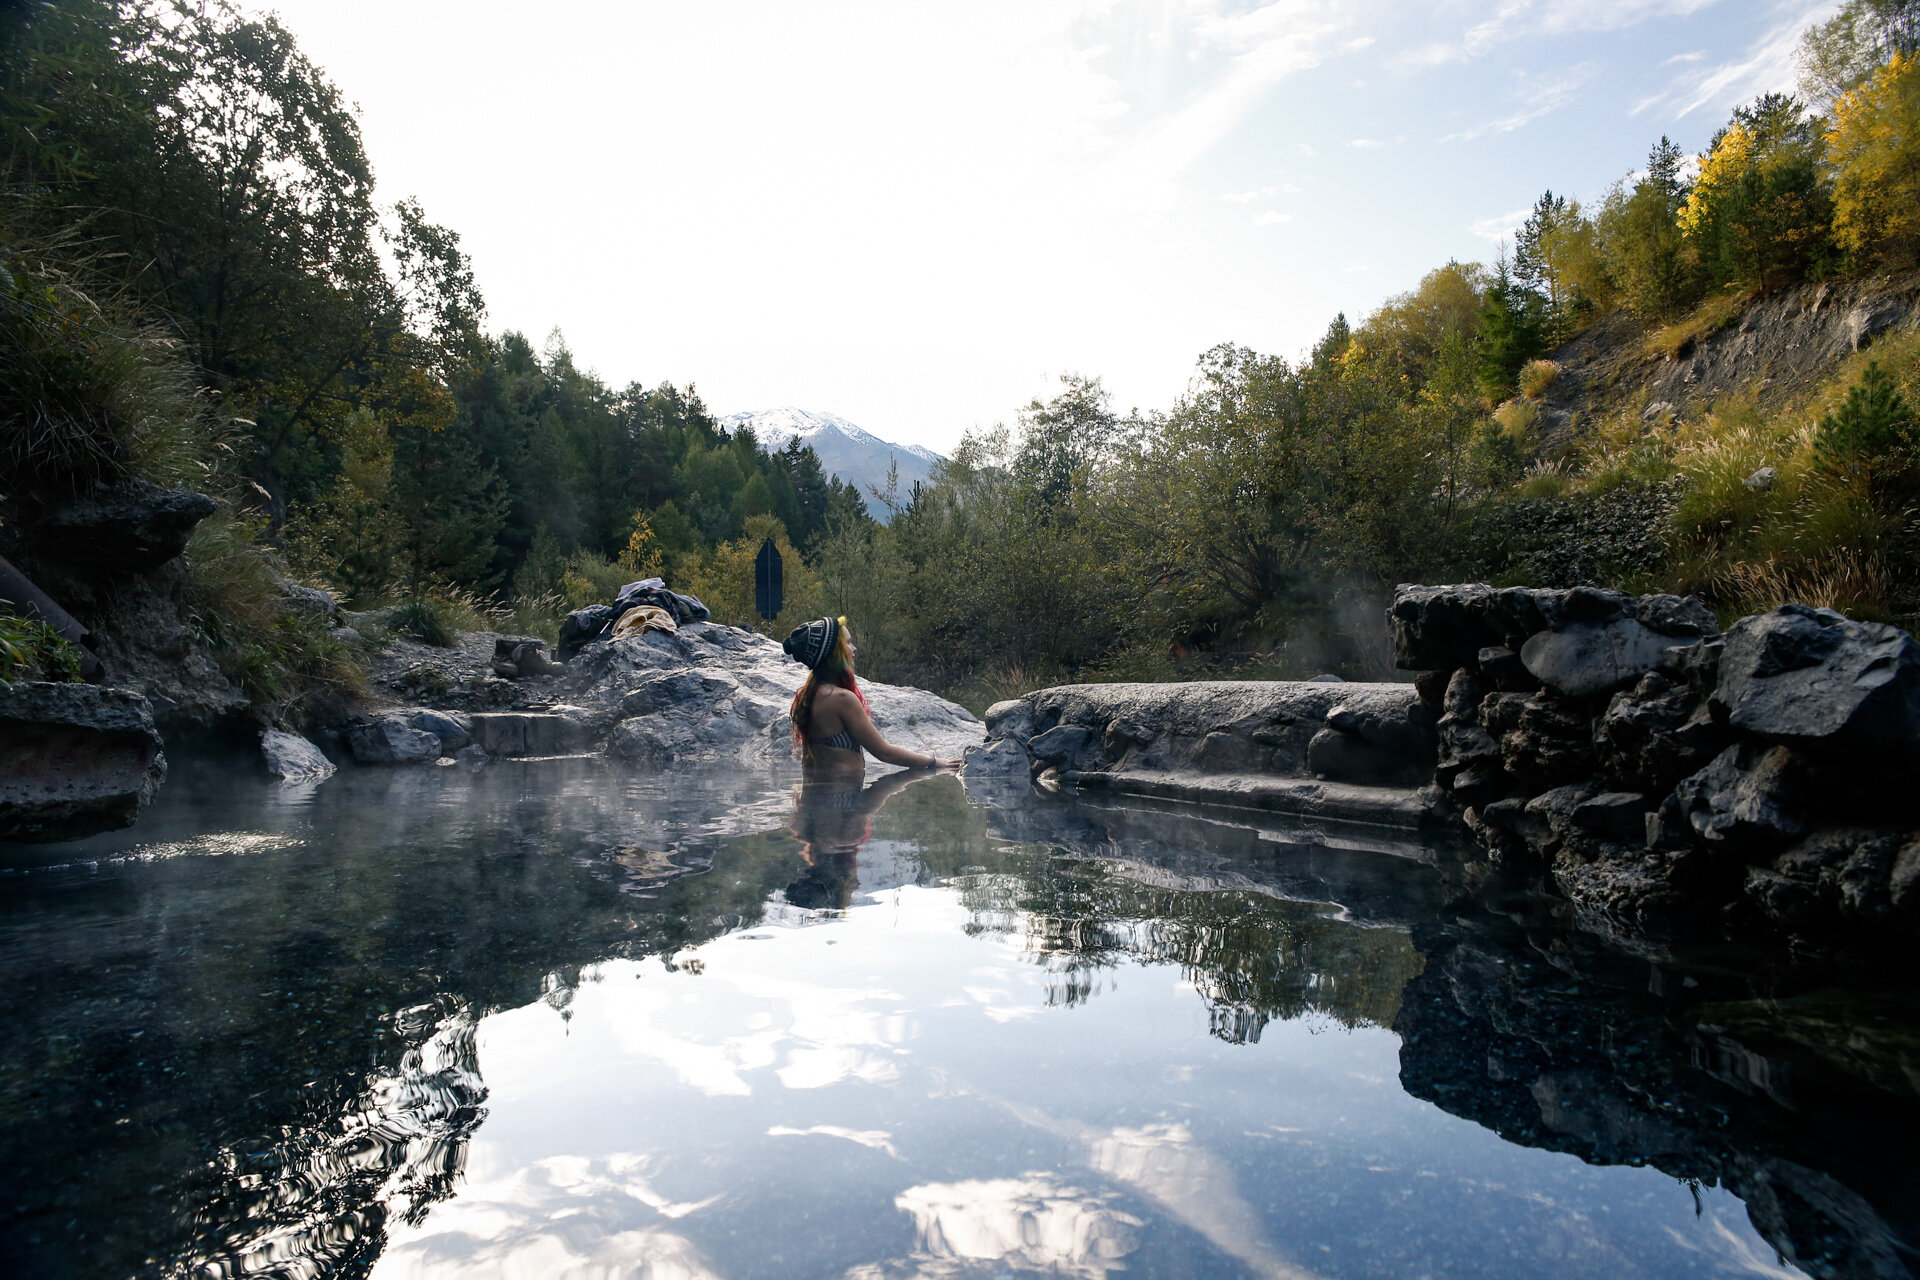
(830, 721)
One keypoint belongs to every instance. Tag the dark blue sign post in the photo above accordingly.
(769, 581)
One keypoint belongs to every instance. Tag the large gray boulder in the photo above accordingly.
(389, 739)
(1441, 628)
(718, 693)
(562, 731)
(1588, 658)
(291, 758)
(1813, 676)
(75, 759)
(454, 730)
(1654, 734)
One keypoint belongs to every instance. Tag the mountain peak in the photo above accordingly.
(845, 450)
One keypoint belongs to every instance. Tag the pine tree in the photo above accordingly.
(1529, 262)
(1873, 423)
(1511, 329)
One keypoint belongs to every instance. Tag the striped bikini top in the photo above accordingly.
(843, 740)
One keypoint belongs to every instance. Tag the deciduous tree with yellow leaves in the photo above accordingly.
(1874, 145)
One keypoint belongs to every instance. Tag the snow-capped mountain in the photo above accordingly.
(858, 457)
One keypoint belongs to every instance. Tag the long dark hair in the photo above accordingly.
(835, 669)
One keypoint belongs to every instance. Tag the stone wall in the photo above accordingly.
(1669, 778)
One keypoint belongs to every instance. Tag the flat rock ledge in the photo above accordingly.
(1331, 751)
(75, 759)
(1669, 779)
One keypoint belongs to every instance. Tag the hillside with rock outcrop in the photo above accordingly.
(1777, 347)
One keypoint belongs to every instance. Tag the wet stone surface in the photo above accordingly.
(561, 1018)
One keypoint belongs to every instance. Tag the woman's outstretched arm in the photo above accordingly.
(868, 735)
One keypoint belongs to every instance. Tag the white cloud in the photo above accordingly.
(1543, 100)
(1246, 197)
(1362, 42)
(1515, 20)
(1502, 226)
(1372, 144)
(1271, 219)
(877, 1139)
(1766, 66)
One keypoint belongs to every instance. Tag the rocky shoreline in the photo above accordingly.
(1666, 779)
(80, 759)
(1663, 777)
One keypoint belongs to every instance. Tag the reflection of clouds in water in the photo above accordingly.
(1737, 1247)
(878, 1139)
(1000, 1004)
(1193, 1185)
(561, 1218)
(817, 1035)
(1034, 1223)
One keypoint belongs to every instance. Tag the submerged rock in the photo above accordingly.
(75, 759)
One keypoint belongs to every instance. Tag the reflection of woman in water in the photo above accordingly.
(832, 819)
(830, 720)
(832, 814)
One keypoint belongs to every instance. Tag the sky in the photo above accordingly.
(919, 215)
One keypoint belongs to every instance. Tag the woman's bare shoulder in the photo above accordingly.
(835, 697)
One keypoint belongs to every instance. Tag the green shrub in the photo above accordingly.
(440, 614)
(591, 579)
(538, 615)
(1517, 419)
(32, 650)
(86, 393)
(280, 659)
(1545, 480)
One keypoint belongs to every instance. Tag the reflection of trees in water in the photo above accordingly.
(1253, 958)
(316, 1202)
(202, 1026)
(1797, 1095)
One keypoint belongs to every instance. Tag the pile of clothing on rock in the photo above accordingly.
(640, 606)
